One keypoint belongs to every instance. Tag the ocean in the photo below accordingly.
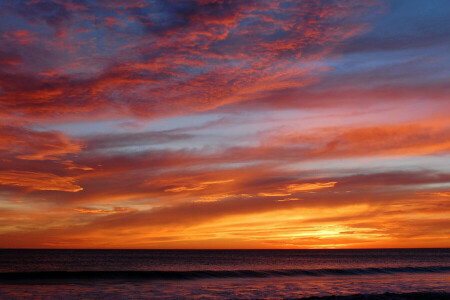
(225, 274)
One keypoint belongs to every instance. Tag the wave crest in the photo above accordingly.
(205, 274)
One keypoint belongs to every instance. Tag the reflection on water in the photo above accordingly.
(220, 274)
(26, 260)
(267, 288)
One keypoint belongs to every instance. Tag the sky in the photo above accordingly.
(224, 124)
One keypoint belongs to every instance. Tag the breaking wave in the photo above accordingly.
(205, 274)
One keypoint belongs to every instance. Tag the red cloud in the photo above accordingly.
(213, 55)
(38, 181)
(128, 62)
(33, 145)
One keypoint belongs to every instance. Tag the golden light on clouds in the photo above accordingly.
(39, 181)
(310, 186)
(302, 124)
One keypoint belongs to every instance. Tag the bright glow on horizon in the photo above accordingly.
(224, 124)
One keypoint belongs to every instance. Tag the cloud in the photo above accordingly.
(310, 186)
(118, 140)
(317, 222)
(254, 124)
(38, 181)
(201, 186)
(88, 210)
(28, 144)
(201, 55)
(397, 140)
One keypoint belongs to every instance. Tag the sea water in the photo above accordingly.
(224, 274)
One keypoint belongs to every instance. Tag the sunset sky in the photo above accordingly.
(224, 124)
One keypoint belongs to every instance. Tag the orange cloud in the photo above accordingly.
(38, 181)
(293, 224)
(201, 186)
(395, 140)
(87, 210)
(273, 194)
(310, 186)
(267, 101)
(289, 199)
(36, 145)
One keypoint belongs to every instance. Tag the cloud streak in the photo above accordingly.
(224, 124)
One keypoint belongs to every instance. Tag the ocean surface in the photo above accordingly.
(225, 274)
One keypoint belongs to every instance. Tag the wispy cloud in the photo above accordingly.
(239, 124)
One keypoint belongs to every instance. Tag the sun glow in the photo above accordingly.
(224, 124)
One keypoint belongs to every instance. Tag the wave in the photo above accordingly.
(386, 296)
(205, 274)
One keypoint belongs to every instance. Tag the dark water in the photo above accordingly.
(249, 274)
